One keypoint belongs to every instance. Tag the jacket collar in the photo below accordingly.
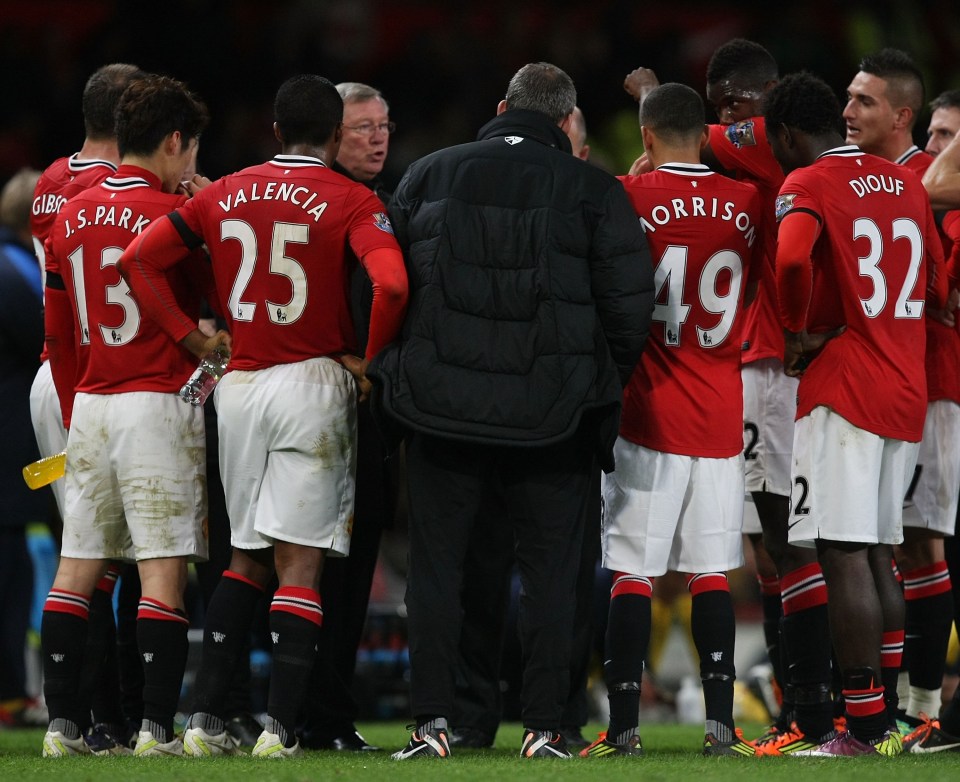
(528, 124)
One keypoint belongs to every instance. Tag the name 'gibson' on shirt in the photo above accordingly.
(276, 191)
(696, 206)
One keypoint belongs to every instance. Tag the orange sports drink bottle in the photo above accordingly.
(45, 470)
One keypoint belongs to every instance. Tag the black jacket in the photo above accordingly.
(531, 291)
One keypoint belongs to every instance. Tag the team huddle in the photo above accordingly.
(763, 307)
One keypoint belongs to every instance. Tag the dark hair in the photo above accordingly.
(805, 102)
(673, 111)
(745, 60)
(153, 107)
(540, 86)
(100, 97)
(307, 109)
(946, 100)
(903, 77)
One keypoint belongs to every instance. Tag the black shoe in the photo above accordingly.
(349, 740)
(543, 744)
(470, 738)
(245, 729)
(574, 737)
(425, 744)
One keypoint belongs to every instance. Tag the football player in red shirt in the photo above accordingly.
(277, 235)
(857, 246)
(883, 101)
(135, 486)
(794, 595)
(675, 501)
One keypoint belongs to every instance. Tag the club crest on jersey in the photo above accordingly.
(511, 140)
(382, 222)
(784, 204)
(741, 134)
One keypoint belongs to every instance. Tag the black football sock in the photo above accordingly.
(63, 637)
(628, 636)
(101, 677)
(928, 597)
(162, 637)
(714, 630)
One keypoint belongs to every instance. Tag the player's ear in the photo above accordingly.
(903, 117)
(276, 133)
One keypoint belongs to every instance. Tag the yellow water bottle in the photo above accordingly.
(45, 470)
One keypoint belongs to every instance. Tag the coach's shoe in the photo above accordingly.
(847, 745)
(56, 745)
(149, 746)
(102, 740)
(544, 744)
(930, 737)
(602, 748)
(574, 737)
(470, 738)
(427, 741)
(245, 729)
(197, 743)
(713, 747)
(270, 746)
(788, 742)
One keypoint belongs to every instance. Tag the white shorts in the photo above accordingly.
(136, 482)
(751, 519)
(48, 422)
(848, 483)
(769, 410)
(664, 511)
(933, 504)
(288, 454)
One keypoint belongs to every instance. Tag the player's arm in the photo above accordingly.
(797, 234)
(388, 275)
(60, 339)
(165, 243)
(940, 303)
(942, 178)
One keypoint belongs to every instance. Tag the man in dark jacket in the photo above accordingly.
(531, 296)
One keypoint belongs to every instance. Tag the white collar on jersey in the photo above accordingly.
(913, 150)
(686, 169)
(124, 183)
(297, 161)
(847, 150)
(75, 163)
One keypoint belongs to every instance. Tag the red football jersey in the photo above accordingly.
(878, 247)
(282, 273)
(117, 348)
(62, 179)
(743, 149)
(916, 160)
(685, 396)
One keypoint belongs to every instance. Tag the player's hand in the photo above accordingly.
(948, 315)
(190, 187)
(641, 165)
(358, 368)
(200, 344)
(640, 83)
(800, 348)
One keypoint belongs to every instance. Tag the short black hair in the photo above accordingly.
(903, 77)
(950, 99)
(805, 102)
(674, 111)
(153, 107)
(744, 60)
(307, 109)
(101, 95)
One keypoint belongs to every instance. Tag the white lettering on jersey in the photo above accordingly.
(275, 191)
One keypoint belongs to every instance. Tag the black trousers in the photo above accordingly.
(545, 493)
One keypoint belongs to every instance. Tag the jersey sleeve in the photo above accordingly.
(951, 227)
(798, 215)
(742, 148)
(938, 285)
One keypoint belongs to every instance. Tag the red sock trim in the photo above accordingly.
(891, 650)
(59, 601)
(896, 571)
(707, 582)
(769, 587)
(243, 579)
(926, 581)
(149, 608)
(109, 581)
(803, 588)
(864, 703)
(299, 601)
(626, 584)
